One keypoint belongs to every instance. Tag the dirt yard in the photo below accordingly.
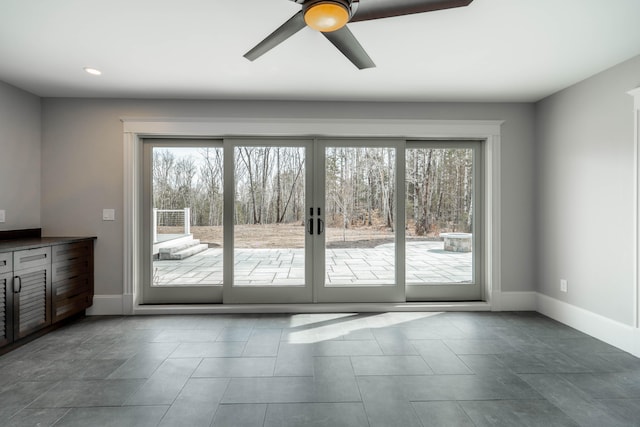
(287, 236)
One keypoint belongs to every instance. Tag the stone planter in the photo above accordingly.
(457, 242)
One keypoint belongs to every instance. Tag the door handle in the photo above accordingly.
(310, 226)
(19, 280)
(320, 226)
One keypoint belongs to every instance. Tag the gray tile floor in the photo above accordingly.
(386, 369)
(426, 262)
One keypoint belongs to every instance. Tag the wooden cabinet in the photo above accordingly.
(41, 284)
(31, 291)
(72, 289)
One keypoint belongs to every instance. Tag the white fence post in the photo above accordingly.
(155, 225)
(187, 220)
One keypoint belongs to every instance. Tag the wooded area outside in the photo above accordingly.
(188, 178)
(439, 191)
(359, 186)
(359, 209)
(360, 191)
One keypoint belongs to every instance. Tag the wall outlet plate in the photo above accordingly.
(563, 285)
(3, 216)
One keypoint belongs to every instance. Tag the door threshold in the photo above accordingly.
(150, 309)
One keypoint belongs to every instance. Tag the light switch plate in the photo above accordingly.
(108, 214)
(3, 217)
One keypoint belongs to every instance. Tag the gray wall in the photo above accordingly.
(19, 158)
(83, 166)
(585, 192)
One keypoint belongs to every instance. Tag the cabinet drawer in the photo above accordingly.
(68, 288)
(72, 251)
(31, 258)
(66, 307)
(71, 269)
(6, 262)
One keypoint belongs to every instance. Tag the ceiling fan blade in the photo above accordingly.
(286, 30)
(347, 43)
(376, 9)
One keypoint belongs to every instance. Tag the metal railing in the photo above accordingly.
(171, 218)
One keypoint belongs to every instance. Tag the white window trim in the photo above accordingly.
(135, 129)
(636, 147)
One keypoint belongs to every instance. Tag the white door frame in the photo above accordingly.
(635, 93)
(135, 129)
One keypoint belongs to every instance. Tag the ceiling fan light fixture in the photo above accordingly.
(326, 16)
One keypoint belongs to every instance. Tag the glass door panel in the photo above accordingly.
(183, 221)
(270, 240)
(442, 233)
(358, 205)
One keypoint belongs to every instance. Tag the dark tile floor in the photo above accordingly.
(387, 369)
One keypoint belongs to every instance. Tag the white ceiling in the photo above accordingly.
(492, 50)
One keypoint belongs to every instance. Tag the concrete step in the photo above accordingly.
(184, 252)
(173, 240)
(179, 246)
(181, 250)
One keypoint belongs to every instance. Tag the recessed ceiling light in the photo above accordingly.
(92, 71)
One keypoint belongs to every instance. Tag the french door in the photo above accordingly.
(311, 220)
(307, 243)
(358, 251)
(270, 252)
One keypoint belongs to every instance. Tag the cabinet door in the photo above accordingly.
(31, 300)
(72, 272)
(6, 308)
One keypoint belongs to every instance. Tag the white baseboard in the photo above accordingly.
(618, 334)
(127, 304)
(105, 305)
(123, 304)
(310, 308)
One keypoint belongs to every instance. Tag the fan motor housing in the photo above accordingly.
(350, 5)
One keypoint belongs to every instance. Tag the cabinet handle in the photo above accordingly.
(19, 280)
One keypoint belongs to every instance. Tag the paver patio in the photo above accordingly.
(427, 262)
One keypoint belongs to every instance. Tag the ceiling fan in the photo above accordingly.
(331, 16)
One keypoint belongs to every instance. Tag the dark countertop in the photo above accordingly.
(10, 245)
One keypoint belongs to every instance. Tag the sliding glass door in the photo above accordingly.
(183, 220)
(281, 220)
(443, 229)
